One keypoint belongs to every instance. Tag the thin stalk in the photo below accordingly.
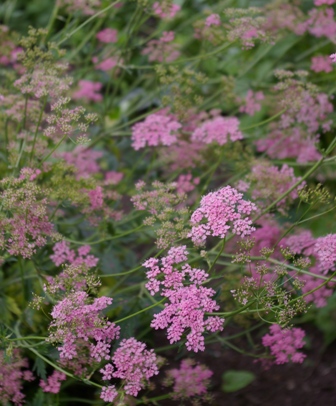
(140, 311)
(37, 128)
(67, 36)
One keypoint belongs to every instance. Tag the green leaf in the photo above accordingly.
(39, 399)
(326, 320)
(236, 380)
(40, 368)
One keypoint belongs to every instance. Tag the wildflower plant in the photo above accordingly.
(167, 177)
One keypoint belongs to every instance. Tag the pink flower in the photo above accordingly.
(108, 393)
(325, 249)
(219, 129)
(162, 50)
(284, 343)
(321, 64)
(166, 11)
(220, 212)
(251, 102)
(64, 255)
(333, 58)
(84, 160)
(106, 64)
(134, 364)
(113, 177)
(107, 35)
(322, 2)
(188, 304)
(156, 130)
(12, 372)
(189, 380)
(53, 383)
(213, 19)
(77, 325)
(88, 90)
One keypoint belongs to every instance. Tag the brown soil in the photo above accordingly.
(309, 384)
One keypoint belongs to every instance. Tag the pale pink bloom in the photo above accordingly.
(252, 104)
(107, 35)
(113, 177)
(322, 2)
(219, 130)
(134, 364)
(162, 50)
(284, 344)
(108, 393)
(166, 11)
(87, 7)
(64, 255)
(77, 325)
(187, 305)
(88, 90)
(325, 249)
(189, 380)
(84, 160)
(321, 23)
(186, 183)
(13, 372)
(333, 58)
(156, 130)
(213, 19)
(53, 383)
(106, 64)
(219, 213)
(321, 64)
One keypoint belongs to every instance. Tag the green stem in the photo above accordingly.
(37, 128)
(54, 149)
(114, 237)
(67, 36)
(217, 256)
(140, 311)
(51, 20)
(265, 121)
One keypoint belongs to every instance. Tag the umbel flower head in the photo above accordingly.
(220, 212)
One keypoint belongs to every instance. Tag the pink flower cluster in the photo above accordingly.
(252, 104)
(78, 326)
(284, 344)
(321, 64)
(220, 212)
(291, 143)
(107, 35)
(187, 304)
(88, 91)
(12, 372)
(165, 11)
(219, 130)
(213, 19)
(162, 49)
(321, 23)
(305, 244)
(270, 182)
(87, 7)
(133, 364)
(28, 226)
(106, 64)
(325, 249)
(186, 183)
(53, 383)
(157, 129)
(64, 255)
(189, 380)
(84, 160)
(323, 2)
